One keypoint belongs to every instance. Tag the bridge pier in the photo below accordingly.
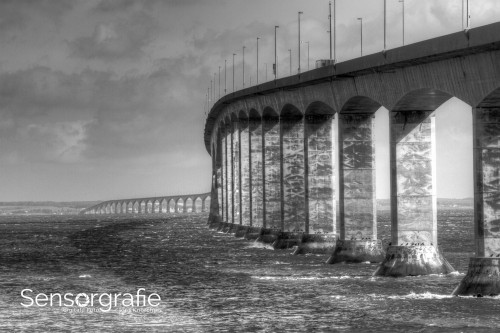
(236, 151)
(245, 190)
(256, 169)
(293, 171)
(223, 171)
(272, 170)
(413, 250)
(483, 275)
(357, 201)
(320, 229)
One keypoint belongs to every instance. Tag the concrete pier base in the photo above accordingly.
(269, 236)
(482, 279)
(231, 228)
(357, 251)
(319, 244)
(253, 233)
(280, 240)
(226, 228)
(240, 230)
(287, 240)
(413, 260)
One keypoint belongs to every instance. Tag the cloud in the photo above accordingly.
(123, 38)
(110, 6)
(16, 14)
(49, 115)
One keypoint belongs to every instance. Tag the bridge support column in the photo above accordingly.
(483, 275)
(255, 127)
(414, 248)
(217, 205)
(224, 174)
(236, 172)
(320, 190)
(272, 175)
(229, 174)
(293, 179)
(358, 207)
(245, 171)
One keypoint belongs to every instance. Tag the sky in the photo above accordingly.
(106, 99)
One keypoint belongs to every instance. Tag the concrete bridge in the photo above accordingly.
(189, 203)
(273, 156)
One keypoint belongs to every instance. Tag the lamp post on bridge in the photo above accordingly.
(330, 25)
(290, 51)
(385, 23)
(298, 70)
(233, 70)
(243, 66)
(361, 30)
(275, 54)
(467, 18)
(403, 16)
(258, 60)
(225, 76)
(219, 82)
(307, 54)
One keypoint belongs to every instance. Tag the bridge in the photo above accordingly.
(189, 203)
(273, 157)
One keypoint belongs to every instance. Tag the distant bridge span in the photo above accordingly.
(188, 203)
(273, 149)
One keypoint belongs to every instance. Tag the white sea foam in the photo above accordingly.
(298, 278)
(259, 245)
(426, 295)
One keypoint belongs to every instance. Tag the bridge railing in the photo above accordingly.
(186, 203)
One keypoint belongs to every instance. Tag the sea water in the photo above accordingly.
(213, 282)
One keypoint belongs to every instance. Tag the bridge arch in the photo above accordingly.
(197, 205)
(179, 205)
(171, 205)
(423, 99)
(164, 205)
(491, 100)
(188, 205)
